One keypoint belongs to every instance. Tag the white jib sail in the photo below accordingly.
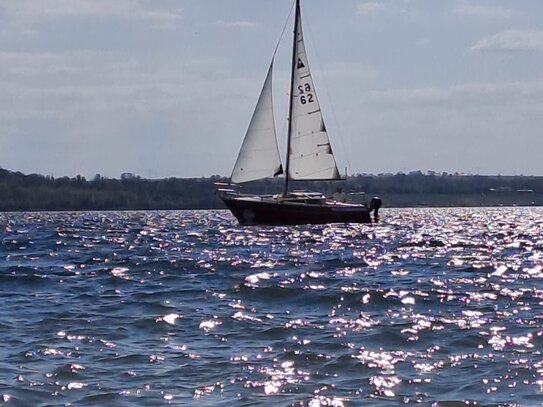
(311, 156)
(259, 154)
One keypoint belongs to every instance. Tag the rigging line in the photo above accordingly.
(282, 32)
(285, 123)
(327, 91)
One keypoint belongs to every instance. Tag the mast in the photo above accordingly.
(290, 108)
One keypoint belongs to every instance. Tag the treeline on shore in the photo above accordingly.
(34, 192)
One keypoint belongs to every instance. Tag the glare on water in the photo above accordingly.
(431, 306)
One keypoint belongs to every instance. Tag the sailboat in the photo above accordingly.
(309, 157)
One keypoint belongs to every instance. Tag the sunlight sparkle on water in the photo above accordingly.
(430, 306)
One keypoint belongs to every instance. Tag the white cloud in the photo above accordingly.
(132, 109)
(96, 82)
(370, 8)
(475, 127)
(238, 24)
(483, 12)
(464, 96)
(61, 84)
(350, 71)
(24, 13)
(512, 40)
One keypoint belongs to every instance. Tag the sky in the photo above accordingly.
(166, 88)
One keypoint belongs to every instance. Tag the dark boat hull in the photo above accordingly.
(269, 211)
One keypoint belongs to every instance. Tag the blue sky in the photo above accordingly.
(166, 87)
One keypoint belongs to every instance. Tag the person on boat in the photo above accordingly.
(339, 196)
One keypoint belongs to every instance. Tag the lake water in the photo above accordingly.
(438, 307)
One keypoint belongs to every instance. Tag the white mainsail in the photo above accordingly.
(310, 153)
(259, 154)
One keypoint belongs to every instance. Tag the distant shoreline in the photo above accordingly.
(34, 192)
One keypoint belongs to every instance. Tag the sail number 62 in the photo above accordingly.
(307, 99)
(306, 87)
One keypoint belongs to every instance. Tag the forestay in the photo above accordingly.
(259, 154)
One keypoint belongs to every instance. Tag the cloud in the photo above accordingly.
(512, 40)
(350, 70)
(462, 96)
(370, 8)
(483, 12)
(238, 24)
(61, 85)
(24, 13)
(66, 83)
(473, 127)
(109, 112)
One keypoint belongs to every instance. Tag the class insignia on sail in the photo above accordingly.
(309, 156)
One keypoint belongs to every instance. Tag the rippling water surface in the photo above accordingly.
(434, 307)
